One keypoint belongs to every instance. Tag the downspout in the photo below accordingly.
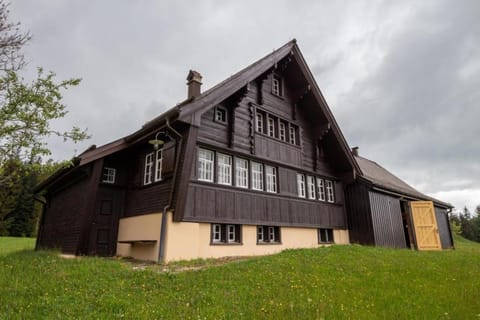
(163, 227)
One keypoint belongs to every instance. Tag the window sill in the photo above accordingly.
(269, 243)
(226, 243)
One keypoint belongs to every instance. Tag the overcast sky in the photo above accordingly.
(402, 77)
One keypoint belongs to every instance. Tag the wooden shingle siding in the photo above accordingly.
(443, 228)
(387, 220)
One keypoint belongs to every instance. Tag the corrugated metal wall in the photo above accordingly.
(443, 228)
(387, 220)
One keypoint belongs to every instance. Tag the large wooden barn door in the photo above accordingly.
(425, 224)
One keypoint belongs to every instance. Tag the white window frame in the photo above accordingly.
(220, 114)
(277, 85)
(311, 187)
(205, 165)
(271, 175)
(330, 192)
(320, 189)
(216, 233)
(301, 185)
(231, 233)
(149, 163)
(260, 235)
(108, 175)
(241, 173)
(271, 234)
(257, 176)
(224, 169)
(292, 134)
(158, 165)
(282, 131)
(259, 122)
(271, 126)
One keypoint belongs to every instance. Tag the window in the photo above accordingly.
(268, 234)
(301, 185)
(277, 85)
(231, 233)
(293, 135)
(259, 122)
(205, 165)
(241, 173)
(216, 233)
(149, 161)
(257, 176)
(325, 235)
(220, 114)
(108, 175)
(271, 173)
(330, 196)
(320, 189)
(158, 166)
(224, 169)
(260, 235)
(225, 233)
(271, 127)
(281, 131)
(153, 167)
(311, 187)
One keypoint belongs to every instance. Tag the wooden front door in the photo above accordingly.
(104, 228)
(425, 225)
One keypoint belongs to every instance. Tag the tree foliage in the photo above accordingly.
(468, 224)
(27, 110)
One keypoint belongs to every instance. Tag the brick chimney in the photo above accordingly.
(355, 151)
(194, 83)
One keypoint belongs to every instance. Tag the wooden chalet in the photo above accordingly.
(385, 211)
(252, 166)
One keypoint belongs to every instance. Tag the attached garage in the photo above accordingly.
(383, 210)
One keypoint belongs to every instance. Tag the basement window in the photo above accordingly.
(108, 175)
(225, 233)
(268, 234)
(325, 235)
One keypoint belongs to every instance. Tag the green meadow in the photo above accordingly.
(337, 282)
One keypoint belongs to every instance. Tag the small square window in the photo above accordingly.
(108, 175)
(220, 114)
(325, 235)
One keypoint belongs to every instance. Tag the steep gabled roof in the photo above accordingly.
(382, 178)
(190, 110)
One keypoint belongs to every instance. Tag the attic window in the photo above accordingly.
(108, 175)
(220, 114)
(277, 88)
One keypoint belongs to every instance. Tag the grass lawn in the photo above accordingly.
(338, 282)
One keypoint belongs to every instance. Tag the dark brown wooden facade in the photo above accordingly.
(297, 136)
(82, 216)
